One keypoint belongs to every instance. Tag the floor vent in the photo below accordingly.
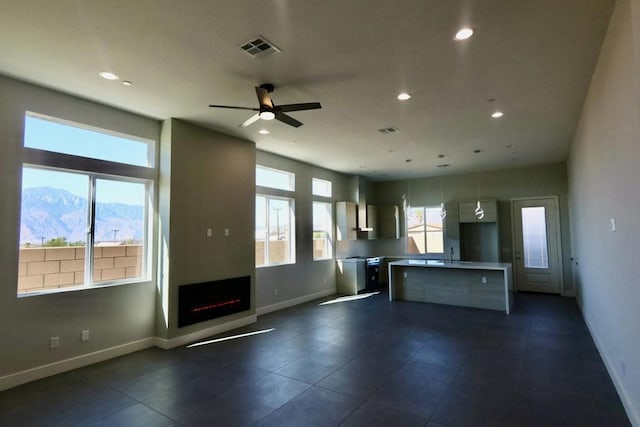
(259, 47)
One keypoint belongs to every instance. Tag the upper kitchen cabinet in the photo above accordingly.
(388, 222)
(346, 220)
(467, 210)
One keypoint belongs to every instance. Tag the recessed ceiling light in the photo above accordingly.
(264, 132)
(463, 34)
(109, 76)
(497, 114)
(127, 83)
(403, 96)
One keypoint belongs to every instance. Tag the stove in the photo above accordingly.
(372, 272)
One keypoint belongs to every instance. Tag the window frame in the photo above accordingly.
(329, 232)
(95, 169)
(290, 175)
(322, 181)
(292, 230)
(425, 231)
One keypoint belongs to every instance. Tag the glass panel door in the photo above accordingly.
(534, 237)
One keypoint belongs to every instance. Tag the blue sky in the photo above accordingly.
(52, 136)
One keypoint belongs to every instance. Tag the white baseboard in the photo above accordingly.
(167, 344)
(295, 301)
(18, 378)
(33, 374)
(633, 415)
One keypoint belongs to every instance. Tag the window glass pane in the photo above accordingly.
(63, 138)
(416, 230)
(279, 231)
(435, 240)
(424, 230)
(119, 230)
(273, 178)
(320, 187)
(322, 230)
(534, 235)
(53, 229)
(261, 229)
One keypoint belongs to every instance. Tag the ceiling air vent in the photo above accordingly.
(259, 47)
(390, 129)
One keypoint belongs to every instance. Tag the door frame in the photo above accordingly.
(558, 238)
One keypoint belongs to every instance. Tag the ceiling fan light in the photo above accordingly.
(463, 34)
(267, 115)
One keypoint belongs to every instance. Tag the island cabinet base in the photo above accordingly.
(462, 286)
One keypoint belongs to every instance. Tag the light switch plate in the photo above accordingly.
(613, 224)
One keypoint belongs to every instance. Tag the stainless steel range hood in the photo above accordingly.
(364, 224)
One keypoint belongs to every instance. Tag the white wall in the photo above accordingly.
(207, 180)
(604, 183)
(120, 317)
(306, 278)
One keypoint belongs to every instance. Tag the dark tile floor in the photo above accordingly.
(359, 363)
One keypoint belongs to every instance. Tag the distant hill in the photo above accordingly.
(52, 212)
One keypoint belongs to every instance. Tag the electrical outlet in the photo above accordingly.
(226, 232)
(209, 232)
(54, 342)
(484, 280)
(275, 292)
(405, 274)
(84, 336)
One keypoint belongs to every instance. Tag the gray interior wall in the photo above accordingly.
(306, 276)
(212, 185)
(603, 183)
(502, 185)
(116, 315)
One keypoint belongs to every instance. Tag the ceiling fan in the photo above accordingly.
(269, 111)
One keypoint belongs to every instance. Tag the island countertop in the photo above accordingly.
(470, 265)
(457, 282)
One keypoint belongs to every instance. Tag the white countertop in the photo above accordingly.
(469, 265)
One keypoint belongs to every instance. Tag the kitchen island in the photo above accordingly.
(470, 284)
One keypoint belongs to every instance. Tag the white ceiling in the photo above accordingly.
(535, 58)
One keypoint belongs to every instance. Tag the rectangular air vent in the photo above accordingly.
(259, 47)
(390, 129)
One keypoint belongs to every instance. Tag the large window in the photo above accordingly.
(322, 231)
(84, 207)
(424, 230)
(320, 187)
(275, 239)
(274, 178)
(322, 219)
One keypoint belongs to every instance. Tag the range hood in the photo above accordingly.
(361, 196)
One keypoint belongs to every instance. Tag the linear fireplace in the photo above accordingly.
(209, 300)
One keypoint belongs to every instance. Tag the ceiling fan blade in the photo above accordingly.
(263, 97)
(299, 107)
(234, 108)
(251, 120)
(288, 120)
